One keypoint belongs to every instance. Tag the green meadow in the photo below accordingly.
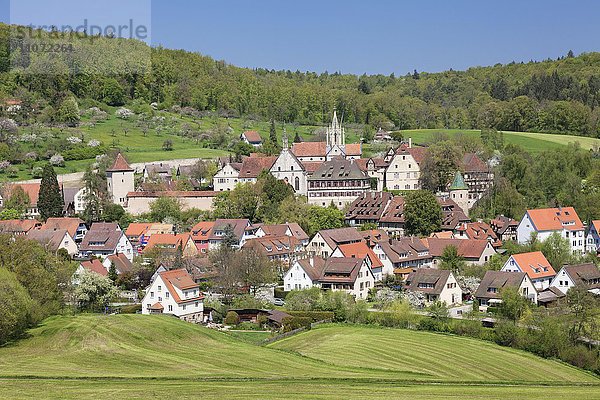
(134, 356)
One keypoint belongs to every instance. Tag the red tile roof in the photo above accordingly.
(472, 163)
(467, 248)
(418, 153)
(32, 190)
(121, 263)
(182, 280)
(253, 166)
(201, 231)
(596, 225)
(137, 228)
(360, 250)
(69, 224)
(252, 137)
(96, 266)
(120, 164)
(310, 149)
(552, 219)
(166, 239)
(534, 264)
(353, 149)
(17, 226)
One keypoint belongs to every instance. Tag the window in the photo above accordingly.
(159, 288)
(170, 307)
(167, 295)
(151, 295)
(183, 307)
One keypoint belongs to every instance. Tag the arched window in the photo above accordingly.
(297, 183)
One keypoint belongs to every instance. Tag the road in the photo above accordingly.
(74, 179)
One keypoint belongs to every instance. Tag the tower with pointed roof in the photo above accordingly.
(120, 180)
(335, 139)
(459, 193)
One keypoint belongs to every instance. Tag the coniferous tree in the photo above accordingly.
(273, 133)
(50, 201)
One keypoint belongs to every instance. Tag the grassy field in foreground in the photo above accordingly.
(134, 356)
(432, 354)
(532, 142)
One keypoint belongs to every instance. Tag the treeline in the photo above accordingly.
(560, 96)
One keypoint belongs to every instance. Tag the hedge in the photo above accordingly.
(292, 323)
(83, 153)
(314, 316)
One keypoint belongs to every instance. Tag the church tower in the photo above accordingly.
(459, 192)
(120, 180)
(336, 139)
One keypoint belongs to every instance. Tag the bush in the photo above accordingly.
(232, 318)
(292, 323)
(398, 314)
(506, 334)
(580, 356)
(314, 316)
(280, 293)
(131, 309)
(433, 325)
(471, 328)
(83, 153)
(247, 326)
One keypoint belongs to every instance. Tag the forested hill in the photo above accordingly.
(559, 96)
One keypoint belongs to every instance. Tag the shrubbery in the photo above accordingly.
(292, 323)
(232, 318)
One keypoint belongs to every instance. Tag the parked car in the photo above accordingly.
(278, 302)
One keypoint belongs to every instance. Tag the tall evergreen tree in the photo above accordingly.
(50, 201)
(273, 133)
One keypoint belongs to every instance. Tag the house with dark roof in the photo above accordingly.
(546, 221)
(252, 138)
(282, 249)
(54, 240)
(227, 177)
(104, 239)
(349, 274)
(535, 265)
(122, 264)
(586, 275)
(325, 241)
(402, 253)
(476, 252)
(368, 208)
(174, 292)
(375, 169)
(339, 181)
(222, 226)
(505, 228)
(478, 176)
(477, 231)
(436, 285)
(489, 292)
(291, 229)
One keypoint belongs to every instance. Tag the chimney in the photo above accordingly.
(409, 142)
(311, 261)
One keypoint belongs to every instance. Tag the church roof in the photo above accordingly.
(309, 149)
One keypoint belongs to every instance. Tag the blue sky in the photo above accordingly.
(377, 36)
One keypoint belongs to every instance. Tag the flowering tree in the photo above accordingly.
(94, 292)
(74, 140)
(93, 143)
(415, 299)
(124, 113)
(57, 160)
(7, 126)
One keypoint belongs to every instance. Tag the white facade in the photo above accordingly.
(575, 237)
(592, 240)
(226, 178)
(364, 282)
(80, 200)
(403, 173)
(119, 184)
(451, 293)
(296, 278)
(68, 243)
(319, 247)
(562, 281)
(288, 168)
(158, 292)
(540, 283)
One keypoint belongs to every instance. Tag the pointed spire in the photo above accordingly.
(120, 164)
(284, 139)
(459, 182)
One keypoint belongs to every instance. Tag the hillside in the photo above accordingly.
(133, 356)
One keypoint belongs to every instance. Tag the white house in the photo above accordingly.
(349, 274)
(436, 285)
(251, 138)
(289, 168)
(54, 240)
(587, 275)
(325, 241)
(227, 177)
(592, 241)
(174, 292)
(535, 265)
(489, 292)
(403, 172)
(546, 221)
(304, 274)
(104, 239)
(362, 251)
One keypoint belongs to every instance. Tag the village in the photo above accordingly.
(361, 258)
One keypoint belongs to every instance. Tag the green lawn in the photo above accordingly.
(532, 142)
(135, 356)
